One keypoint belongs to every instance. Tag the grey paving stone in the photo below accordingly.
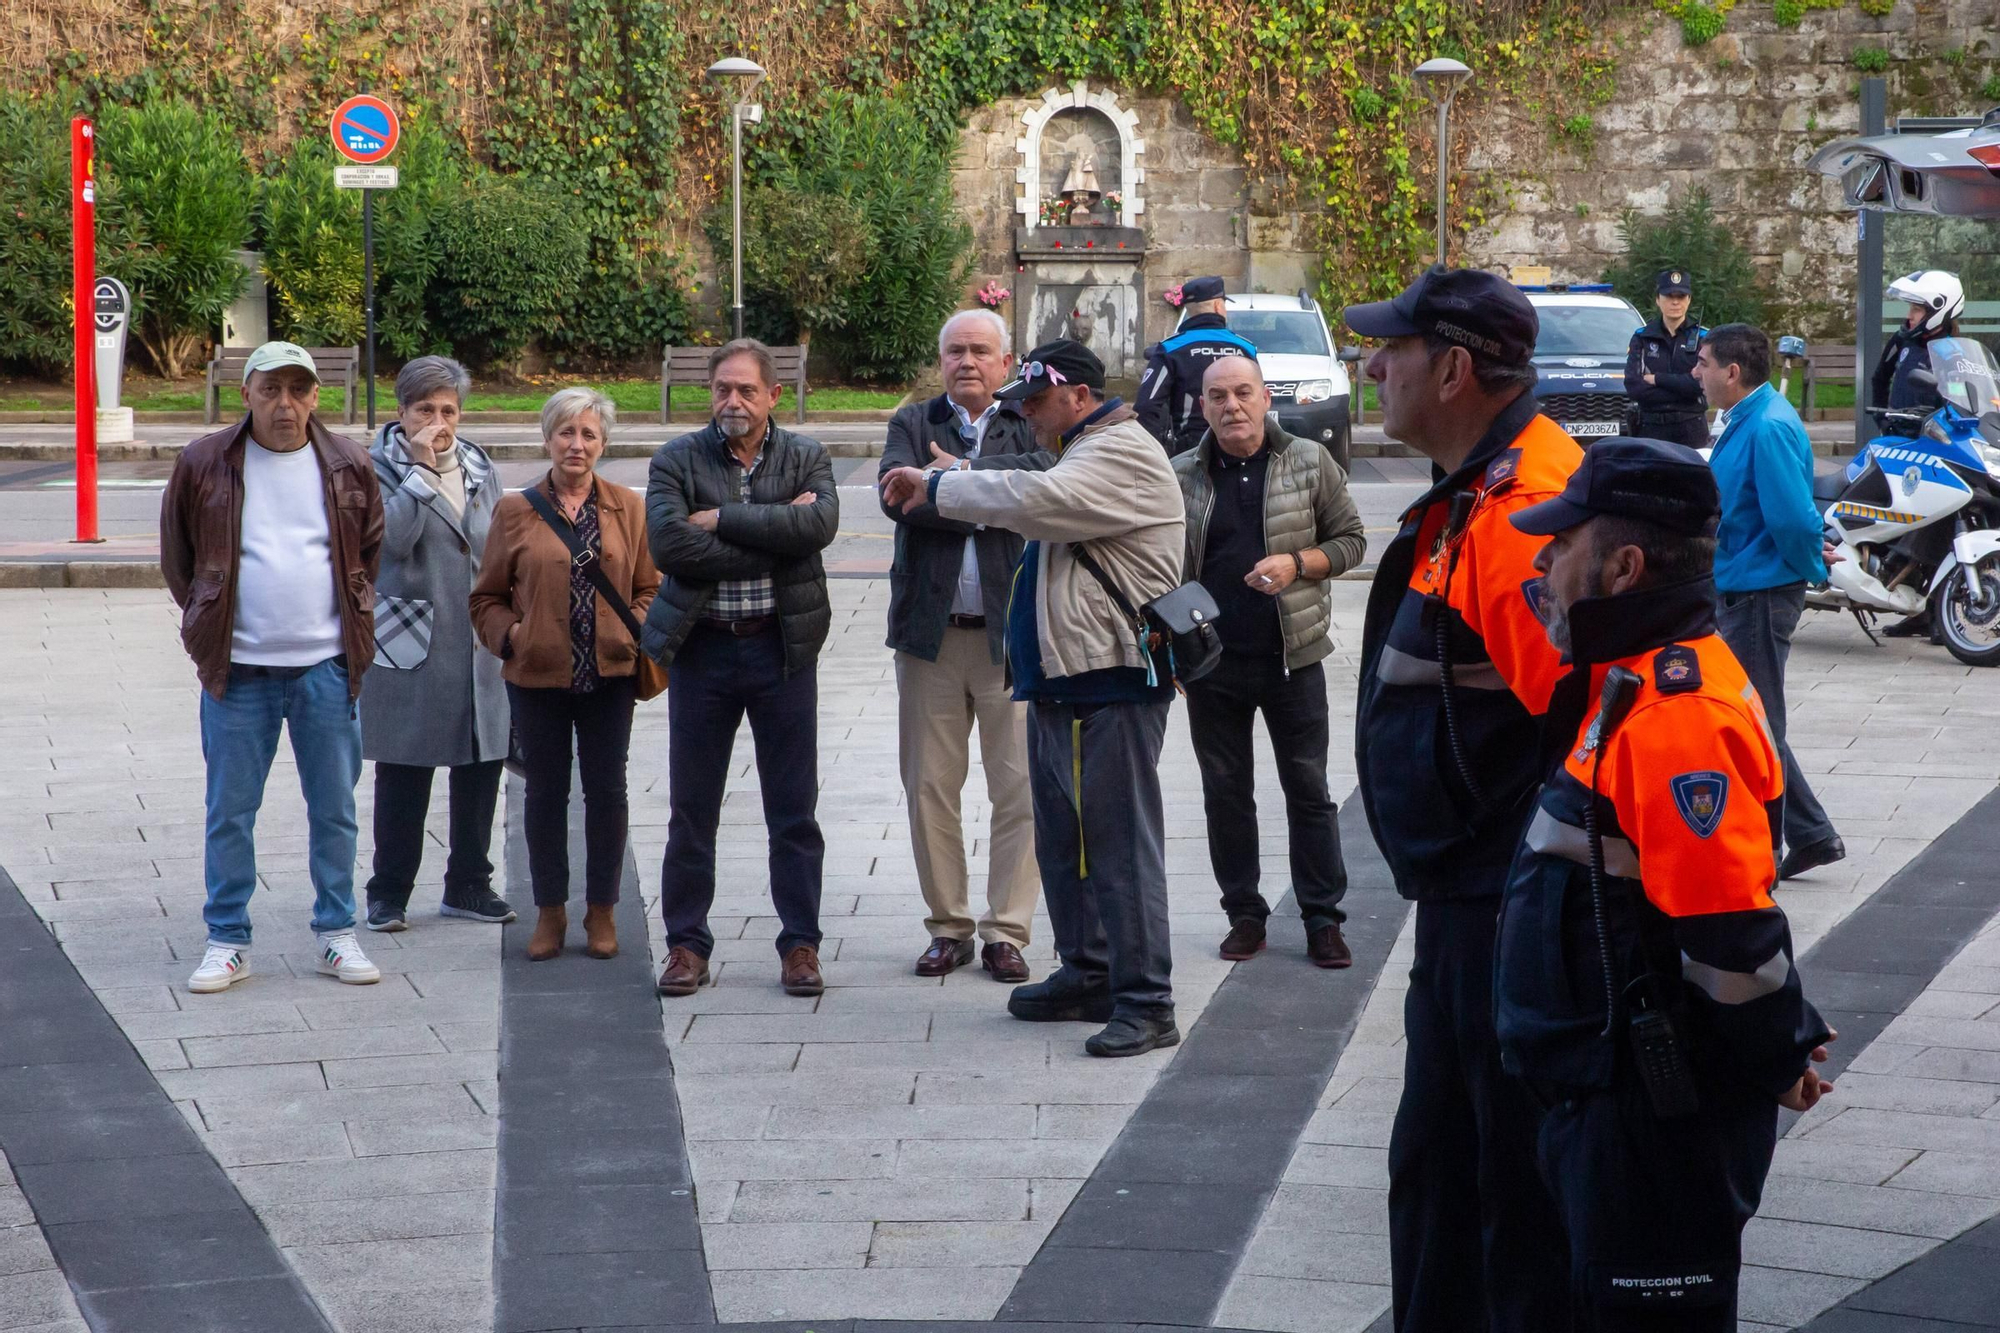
(28, 1299)
(858, 1087)
(401, 1263)
(72, 1088)
(1329, 1210)
(1003, 1159)
(366, 1178)
(787, 1245)
(133, 1187)
(956, 1245)
(256, 1305)
(918, 1057)
(1296, 1252)
(1853, 1162)
(382, 1138)
(1144, 1216)
(241, 1080)
(291, 1143)
(281, 1047)
(877, 1201)
(394, 1071)
(555, 1291)
(559, 1104)
(148, 1130)
(902, 1122)
(1295, 1306)
(1840, 1319)
(540, 1159)
(22, 1250)
(464, 1213)
(815, 1028)
(765, 1159)
(429, 1308)
(885, 1293)
(1834, 1250)
(150, 1249)
(1074, 1285)
(1875, 1208)
(306, 1107)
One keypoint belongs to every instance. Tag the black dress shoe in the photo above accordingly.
(1917, 626)
(1004, 961)
(1801, 859)
(1060, 999)
(1326, 948)
(1128, 1035)
(1245, 939)
(944, 957)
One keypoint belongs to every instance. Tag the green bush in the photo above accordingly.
(409, 244)
(1990, 90)
(190, 198)
(804, 257)
(1870, 59)
(1688, 237)
(875, 152)
(37, 332)
(312, 251)
(510, 258)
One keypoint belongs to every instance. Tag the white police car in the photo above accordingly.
(1580, 356)
(1309, 386)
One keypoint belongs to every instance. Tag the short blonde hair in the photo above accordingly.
(566, 405)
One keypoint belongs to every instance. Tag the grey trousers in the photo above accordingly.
(1758, 627)
(1101, 842)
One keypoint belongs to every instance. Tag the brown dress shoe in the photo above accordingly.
(1244, 940)
(1327, 949)
(944, 957)
(800, 973)
(600, 932)
(685, 973)
(1004, 961)
(551, 924)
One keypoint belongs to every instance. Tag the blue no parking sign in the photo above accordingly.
(365, 129)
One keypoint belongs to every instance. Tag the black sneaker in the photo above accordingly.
(1060, 999)
(386, 917)
(487, 906)
(1130, 1035)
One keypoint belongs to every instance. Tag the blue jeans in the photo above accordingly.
(239, 738)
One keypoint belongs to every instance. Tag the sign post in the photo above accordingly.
(83, 268)
(365, 131)
(111, 311)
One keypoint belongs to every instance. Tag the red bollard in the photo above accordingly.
(83, 203)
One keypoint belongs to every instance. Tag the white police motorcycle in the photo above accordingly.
(1916, 520)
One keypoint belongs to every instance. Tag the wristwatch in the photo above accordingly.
(1299, 560)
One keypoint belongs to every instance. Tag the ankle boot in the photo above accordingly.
(550, 926)
(600, 932)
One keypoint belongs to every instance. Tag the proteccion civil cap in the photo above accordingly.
(1479, 311)
(1201, 289)
(1064, 361)
(1663, 483)
(277, 355)
(1674, 282)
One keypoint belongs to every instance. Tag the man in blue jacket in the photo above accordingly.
(1767, 549)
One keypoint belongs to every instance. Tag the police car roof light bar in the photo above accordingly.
(1569, 287)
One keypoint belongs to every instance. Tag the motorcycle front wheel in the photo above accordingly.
(1970, 626)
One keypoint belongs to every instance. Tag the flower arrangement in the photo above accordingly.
(1172, 296)
(992, 294)
(1055, 212)
(1115, 201)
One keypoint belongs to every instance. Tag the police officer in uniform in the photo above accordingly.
(1455, 672)
(1659, 368)
(1646, 990)
(1936, 299)
(1170, 392)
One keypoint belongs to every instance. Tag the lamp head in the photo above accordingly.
(747, 73)
(1441, 76)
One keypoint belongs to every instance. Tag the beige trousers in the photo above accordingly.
(937, 705)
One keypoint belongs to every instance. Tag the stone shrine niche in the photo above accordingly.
(1081, 273)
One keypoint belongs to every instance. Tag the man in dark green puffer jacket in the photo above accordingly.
(1269, 522)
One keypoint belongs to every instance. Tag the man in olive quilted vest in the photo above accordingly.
(1269, 522)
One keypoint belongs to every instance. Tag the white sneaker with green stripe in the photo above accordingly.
(340, 956)
(221, 967)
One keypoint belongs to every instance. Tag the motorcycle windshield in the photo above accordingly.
(1967, 376)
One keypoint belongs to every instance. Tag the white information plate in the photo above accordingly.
(365, 178)
(1588, 429)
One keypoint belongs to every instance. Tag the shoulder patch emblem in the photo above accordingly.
(1536, 593)
(1503, 467)
(1676, 669)
(1700, 798)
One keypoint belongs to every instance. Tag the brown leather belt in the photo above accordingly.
(967, 622)
(742, 629)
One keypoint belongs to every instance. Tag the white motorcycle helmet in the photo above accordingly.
(1937, 291)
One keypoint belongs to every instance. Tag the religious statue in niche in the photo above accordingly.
(1080, 185)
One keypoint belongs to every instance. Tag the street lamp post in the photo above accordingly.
(747, 74)
(1441, 78)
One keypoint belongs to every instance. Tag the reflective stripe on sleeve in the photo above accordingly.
(1738, 987)
(1396, 667)
(1551, 837)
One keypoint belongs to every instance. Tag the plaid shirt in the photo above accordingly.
(745, 599)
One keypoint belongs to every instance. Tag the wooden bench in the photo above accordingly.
(1826, 363)
(337, 365)
(689, 366)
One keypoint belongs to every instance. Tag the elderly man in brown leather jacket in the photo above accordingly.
(269, 536)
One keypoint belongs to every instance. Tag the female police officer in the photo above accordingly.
(1659, 368)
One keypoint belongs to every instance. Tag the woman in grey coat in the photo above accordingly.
(433, 698)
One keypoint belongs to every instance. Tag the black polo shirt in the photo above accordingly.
(1235, 544)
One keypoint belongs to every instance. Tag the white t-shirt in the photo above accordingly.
(286, 614)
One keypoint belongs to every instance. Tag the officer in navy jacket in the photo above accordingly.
(1170, 392)
(1659, 368)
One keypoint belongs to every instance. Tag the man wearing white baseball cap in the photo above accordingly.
(269, 538)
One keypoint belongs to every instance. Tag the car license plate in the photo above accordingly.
(1586, 429)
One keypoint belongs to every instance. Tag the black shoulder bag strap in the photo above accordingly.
(583, 558)
(1079, 553)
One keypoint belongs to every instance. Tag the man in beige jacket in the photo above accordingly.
(1098, 692)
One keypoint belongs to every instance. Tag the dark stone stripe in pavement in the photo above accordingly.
(1863, 973)
(595, 1222)
(1156, 1233)
(149, 1231)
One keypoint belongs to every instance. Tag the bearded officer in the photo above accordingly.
(1659, 368)
(1170, 391)
(1646, 989)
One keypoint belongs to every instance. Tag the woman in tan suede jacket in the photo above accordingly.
(569, 661)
